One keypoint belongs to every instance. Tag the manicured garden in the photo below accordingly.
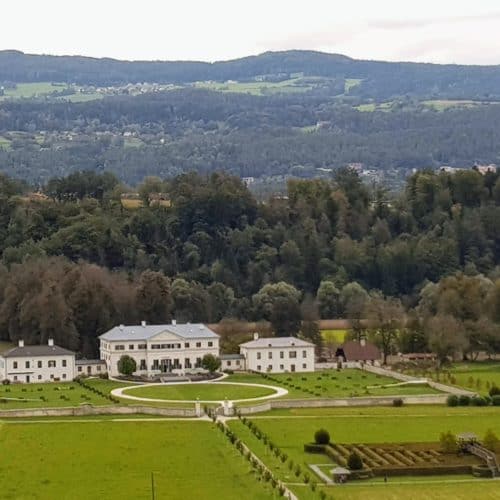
(333, 384)
(56, 394)
(203, 392)
(115, 460)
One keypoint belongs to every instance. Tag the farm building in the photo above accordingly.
(353, 353)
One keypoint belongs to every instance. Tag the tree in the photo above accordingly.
(446, 337)
(127, 365)
(210, 362)
(153, 297)
(448, 442)
(353, 298)
(328, 297)
(309, 329)
(385, 318)
(491, 441)
(285, 317)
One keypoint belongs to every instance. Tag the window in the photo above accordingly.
(64, 375)
(282, 367)
(155, 346)
(198, 363)
(27, 364)
(282, 354)
(51, 376)
(131, 347)
(228, 363)
(79, 368)
(270, 355)
(142, 346)
(304, 354)
(292, 354)
(52, 363)
(119, 347)
(142, 365)
(210, 344)
(269, 368)
(258, 355)
(64, 363)
(186, 345)
(15, 377)
(198, 344)
(98, 368)
(187, 363)
(39, 364)
(304, 366)
(39, 377)
(14, 365)
(156, 364)
(259, 368)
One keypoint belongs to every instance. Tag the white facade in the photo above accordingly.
(89, 367)
(158, 349)
(232, 362)
(278, 355)
(37, 363)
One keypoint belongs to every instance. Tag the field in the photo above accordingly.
(468, 374)
(444, 104)
(350, 83)
(205, 392)
(32, 90)
(332, 384)
(115, 460)
(370, 107)
(257, 88)
(4, 143)
(335, 336)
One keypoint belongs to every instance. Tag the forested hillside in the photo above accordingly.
(332, 248)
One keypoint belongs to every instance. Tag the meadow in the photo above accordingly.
(36, 89)
(468, 374)
(116, 460)
(257, 88)
(332, 384)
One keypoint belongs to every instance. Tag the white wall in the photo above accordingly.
(278, 360)
(89, 369)
(232, 364)
(26, 369)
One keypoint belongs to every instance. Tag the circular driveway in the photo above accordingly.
(278, 392)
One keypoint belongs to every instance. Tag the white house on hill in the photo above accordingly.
(37, 363)
(278, 354)
(158, 349)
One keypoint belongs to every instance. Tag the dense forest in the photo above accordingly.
(380, 80)
(77, 261)
(296, 134)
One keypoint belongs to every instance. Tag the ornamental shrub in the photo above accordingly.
(452, 400)
(398, 402)
(495, 400)
(322, 436)
(494, 390)
(354, 462)
(463, 400)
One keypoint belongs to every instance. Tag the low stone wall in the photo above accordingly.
(249, 410)
(86, 410)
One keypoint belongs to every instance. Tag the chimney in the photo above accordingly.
(174, 322)
(255, 336)
(20, 343)
(51, 342)
(362, 342)
(143, 324)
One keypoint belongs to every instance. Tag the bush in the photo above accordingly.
(398, 402)
(478, 401)
(494, 391)
(452, 400)
(491, 441)
(127, 365)
(322, 436)
(6, 382)
(448, 442)
(463, 400)
(495, 400)
(354, 462)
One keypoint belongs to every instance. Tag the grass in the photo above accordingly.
(131, 204)
(370, 107)
(257, 88)
(444, 104)
(332, 384)
(55, 395)
(337, 336)
(5, 143)
(468, 374)
(205, 392)
(350, 83)
(79, 97)
(115, 460)
(32, 90)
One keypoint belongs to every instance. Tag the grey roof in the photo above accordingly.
(37, 350)
(140, 332)
(90, 362)
(231, 356)
(277, 342)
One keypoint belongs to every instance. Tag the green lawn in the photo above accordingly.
(32, 89)
(4, 143)
(205, 392)
(333, 384)
(257, 88)
(350, 83)
(114, 460)
(468, 374)
(443, 104)
(51, 395)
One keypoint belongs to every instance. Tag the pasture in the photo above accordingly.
(333, 384)
(116, 460)
(36, 89)
(478, 375)
(257, 88)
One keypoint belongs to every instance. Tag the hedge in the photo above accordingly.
(423, 470)
(314, 448)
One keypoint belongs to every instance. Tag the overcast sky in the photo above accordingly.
(442, 31)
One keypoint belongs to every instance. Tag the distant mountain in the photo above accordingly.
(380, 80)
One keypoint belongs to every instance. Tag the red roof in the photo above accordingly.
(354, 351)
